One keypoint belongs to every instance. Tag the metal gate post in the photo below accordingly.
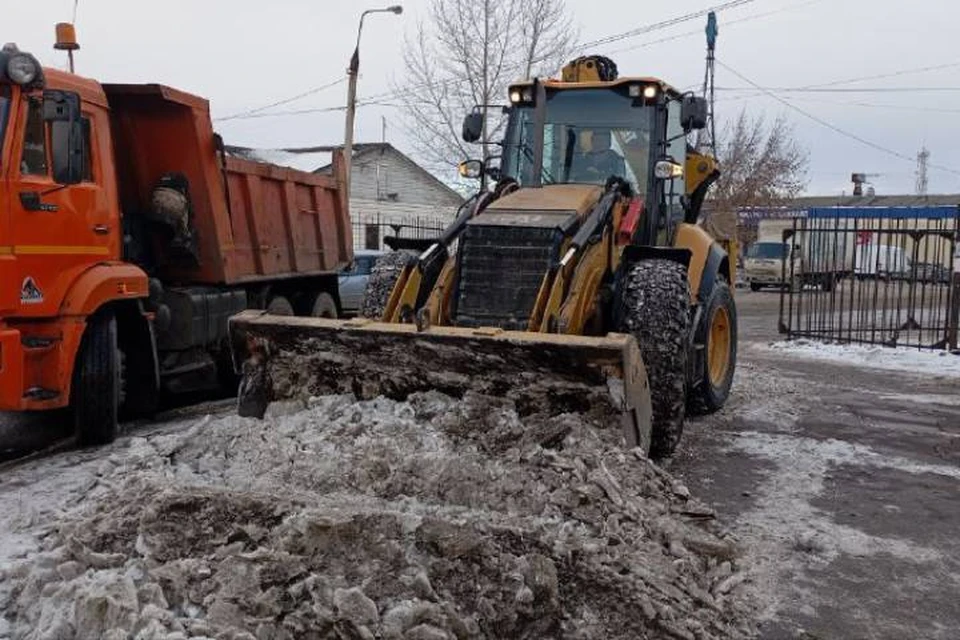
(952, 330)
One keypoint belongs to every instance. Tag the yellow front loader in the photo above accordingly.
(580, 282)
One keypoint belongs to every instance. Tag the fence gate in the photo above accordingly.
(887, 281)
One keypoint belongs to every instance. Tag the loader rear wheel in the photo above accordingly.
(324, 307)
(384, 275)
(718, 335)
(96, 382)
(655, 309)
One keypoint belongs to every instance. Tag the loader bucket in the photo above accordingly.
(284, 358)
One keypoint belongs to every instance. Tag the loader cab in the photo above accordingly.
(587, 132)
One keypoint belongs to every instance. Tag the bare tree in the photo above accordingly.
(466, 55)
(761, 164)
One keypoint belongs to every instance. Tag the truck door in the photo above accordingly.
(60, 216)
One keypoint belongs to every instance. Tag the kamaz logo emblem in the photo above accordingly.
(29, 292)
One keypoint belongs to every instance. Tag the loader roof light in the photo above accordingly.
(518, 95)
(649, 92)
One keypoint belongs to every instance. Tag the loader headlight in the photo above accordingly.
(649, 92)
(23, 69)
(667, 169)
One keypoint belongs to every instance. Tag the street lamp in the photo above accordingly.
(353, 72)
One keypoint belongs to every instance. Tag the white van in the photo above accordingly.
(881, 261)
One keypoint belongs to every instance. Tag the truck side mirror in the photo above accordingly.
(473, 126)
(693, 113)
(67, 138)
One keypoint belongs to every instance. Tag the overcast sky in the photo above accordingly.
(243, 54)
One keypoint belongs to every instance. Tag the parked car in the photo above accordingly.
(931, 273)
(353, 279)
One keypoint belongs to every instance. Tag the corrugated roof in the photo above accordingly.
(937, 200)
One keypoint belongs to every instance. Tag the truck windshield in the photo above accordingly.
(4, 111)
(589, 135)
(767, 251)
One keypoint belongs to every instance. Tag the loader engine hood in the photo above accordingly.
(506, 251)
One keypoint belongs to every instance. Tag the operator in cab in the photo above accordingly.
(600, 162)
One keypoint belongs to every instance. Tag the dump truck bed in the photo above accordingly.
(254, 221)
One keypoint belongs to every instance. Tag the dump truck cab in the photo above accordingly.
(128, 237)
(60, 229)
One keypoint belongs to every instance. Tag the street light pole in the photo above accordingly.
(353, 73)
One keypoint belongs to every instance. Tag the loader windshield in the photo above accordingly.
(588, 136)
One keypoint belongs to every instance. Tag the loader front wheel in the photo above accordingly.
(383, 277)
(96, 382)
(655, 309)
(718, 335)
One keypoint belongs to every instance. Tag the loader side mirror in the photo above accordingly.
(470, 169)
(473, 126)
(693, 113)
(61, 109)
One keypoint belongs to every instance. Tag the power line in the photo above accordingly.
(278, 103)
(871, 105)
(840, 89)
(584, 45)
(726, 24)
(657, 26)
(892, 74)
(828, 125)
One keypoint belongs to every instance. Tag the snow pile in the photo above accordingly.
(428, 519)
(936, 363)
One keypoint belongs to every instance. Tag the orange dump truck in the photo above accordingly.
(128, 237)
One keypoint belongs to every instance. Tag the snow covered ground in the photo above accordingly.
(430, 519)
(933, 363)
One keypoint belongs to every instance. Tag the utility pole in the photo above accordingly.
(923, 157)
(353, 72)
(712, 32)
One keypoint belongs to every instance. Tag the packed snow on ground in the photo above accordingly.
(938, 363)
(430, 519)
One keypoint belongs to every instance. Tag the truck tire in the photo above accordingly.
(324, 306)
(655, 299)
(384, 275)
(718, 335)
(754, 286)
(280, 306)
(96, 382)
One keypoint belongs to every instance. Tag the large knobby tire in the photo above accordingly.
(384, 275)
(324, 306)
(96, 382)
(717, 332)
(655, 297)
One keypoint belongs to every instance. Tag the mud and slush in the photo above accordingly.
(422, 519)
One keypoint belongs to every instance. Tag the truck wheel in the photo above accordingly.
(280, 306)
(324, 306)
(383, 277)
(96, 382)
(655, 300)
(754, 287)
(718, 335)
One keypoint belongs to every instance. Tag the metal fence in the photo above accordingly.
(370, 230)
(887, 281)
